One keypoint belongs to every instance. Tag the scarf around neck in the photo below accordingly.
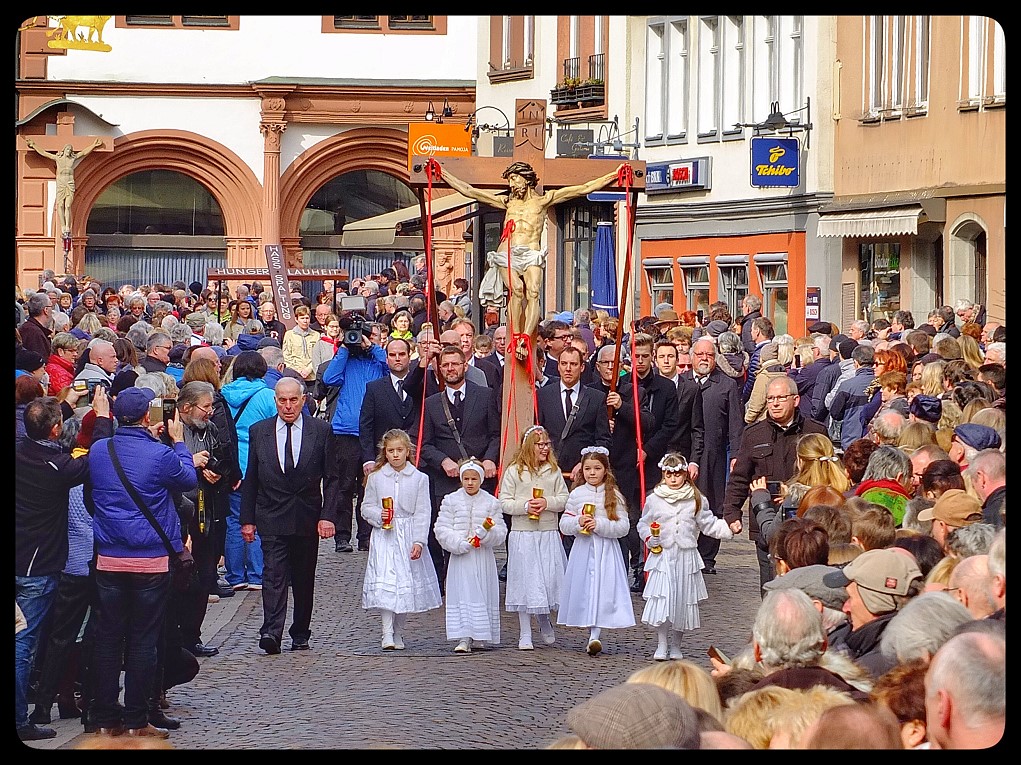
(673, 496)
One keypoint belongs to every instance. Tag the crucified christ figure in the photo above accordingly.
(523, 225)
(65, 159)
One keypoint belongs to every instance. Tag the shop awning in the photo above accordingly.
(885, 222)
(381, 231)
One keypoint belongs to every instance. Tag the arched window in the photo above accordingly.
(154, 226)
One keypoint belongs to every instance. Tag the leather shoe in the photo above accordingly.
(502, 573)
(41, 716)
(343, 547)
(223, 592)
(149, 731)
(106, 731)
(200, 650)
(269, 644)
(363, 547)
(161, 720)
(300, 645)
(33, 732)
(709, 569)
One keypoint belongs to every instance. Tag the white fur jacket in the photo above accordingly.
(586, 494)
(409, 490)
(461, 518)
(679, 524)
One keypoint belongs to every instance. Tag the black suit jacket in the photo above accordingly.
(591, 426)
(494, 375)
(656, 441)
(479, 430)
(382, 410)
(689, 404)
(292, 504)
(624, 439)
(723, 429)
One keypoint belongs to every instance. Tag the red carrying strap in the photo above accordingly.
(433, 171)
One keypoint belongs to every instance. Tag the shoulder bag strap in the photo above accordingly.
(450, 422)
(139, 501)
(242, 408)
(570, 419)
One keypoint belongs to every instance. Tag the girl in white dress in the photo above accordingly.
(532, 492)
(675, 584)
(398, 580)
(596, 593)
(469, 525)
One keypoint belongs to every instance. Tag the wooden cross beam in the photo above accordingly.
(65, 135)
(487, 173)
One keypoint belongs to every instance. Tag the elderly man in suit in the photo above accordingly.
(461, 420)
(719, 439)
(282, 497)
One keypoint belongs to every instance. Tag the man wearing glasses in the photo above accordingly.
(157, 352)
(557, 335)
(768, 448)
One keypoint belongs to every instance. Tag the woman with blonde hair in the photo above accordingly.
(817, 465)
(914, 435)
(689, 681)
(532, 492)
(970, 351)
(932, 379)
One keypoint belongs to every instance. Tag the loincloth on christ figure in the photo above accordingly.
(491, 290)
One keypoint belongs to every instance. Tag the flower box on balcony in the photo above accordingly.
(591, 92)
(564, 95)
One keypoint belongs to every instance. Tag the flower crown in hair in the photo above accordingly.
(530, 430)
(471, 465)
(595, 450)
(683, 466)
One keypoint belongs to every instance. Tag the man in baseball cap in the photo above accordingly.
(954, 509)
(969, 439)
(132, 404)
(196, 320)
(878, 583)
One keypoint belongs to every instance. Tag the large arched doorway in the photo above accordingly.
(352, 196)
(154, 226)
(966, 277)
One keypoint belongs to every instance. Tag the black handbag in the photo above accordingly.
(182, 564)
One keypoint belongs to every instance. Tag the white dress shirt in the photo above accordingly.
(282, 440)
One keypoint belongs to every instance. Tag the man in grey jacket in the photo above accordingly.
(849, 398)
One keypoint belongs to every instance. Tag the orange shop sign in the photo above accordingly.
(438, 139)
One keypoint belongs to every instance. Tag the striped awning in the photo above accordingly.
(860, 223)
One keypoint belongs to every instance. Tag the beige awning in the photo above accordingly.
(886, 222)
(380, 231)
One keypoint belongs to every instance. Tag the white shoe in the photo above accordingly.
(660, 654)
(594, 647)
(549, 637)
(525, 644)
(675, 653)
(213, 599)
(465, 646)
(255, 587)
(389, 644)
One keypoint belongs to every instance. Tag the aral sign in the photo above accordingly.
(438, 139)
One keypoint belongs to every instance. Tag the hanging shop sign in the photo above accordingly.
(775, 162)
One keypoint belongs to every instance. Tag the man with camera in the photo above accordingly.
(358, 362)
(101, 365)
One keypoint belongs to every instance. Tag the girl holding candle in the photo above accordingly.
(469, 525)
(398, 579)
(532, 492)
(595, 514)
(674, 514)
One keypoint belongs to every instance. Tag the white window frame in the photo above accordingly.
(709, 66)
(656, 266)
(877, 73)
(765, 261)
(690, 266)
(666, 103)
(923, 48)
(727, 267)
(732, 79)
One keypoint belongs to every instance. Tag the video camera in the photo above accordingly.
(353, 308)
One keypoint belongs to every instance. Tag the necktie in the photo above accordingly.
(567, 404)
(288, 452)
(457, 399)
(400, 390)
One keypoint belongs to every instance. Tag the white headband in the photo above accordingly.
(531, 429)
(471, 465)
(595, 450)
(673, 468)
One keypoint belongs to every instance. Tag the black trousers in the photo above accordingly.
(193, 603)
(288, 559)
(67, 615)
(342, 486)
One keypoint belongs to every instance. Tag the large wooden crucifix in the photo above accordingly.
(65, 149)
(532, 186)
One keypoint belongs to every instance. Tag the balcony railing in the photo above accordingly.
(573, 91)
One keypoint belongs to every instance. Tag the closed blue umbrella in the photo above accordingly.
(604, 270)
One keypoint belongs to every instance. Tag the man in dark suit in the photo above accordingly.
(282, 497)
(475, 433)
(493, 363)
(589, 425)
(393, 401)
(689, 404)
(719, 439)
